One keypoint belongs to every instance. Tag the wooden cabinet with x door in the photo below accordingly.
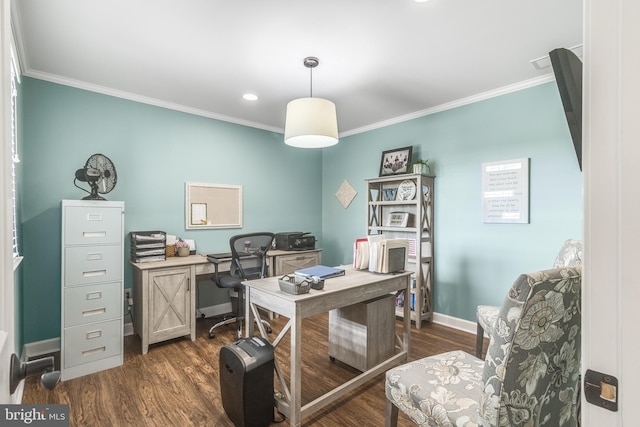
(164, 303)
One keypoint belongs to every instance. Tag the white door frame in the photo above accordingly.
(7, 299)
(611, 154)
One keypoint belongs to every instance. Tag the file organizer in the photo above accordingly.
(148, 246)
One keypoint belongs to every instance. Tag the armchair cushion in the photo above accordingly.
(530, 377)
(570, 254)
(487, 316)
(446, 387)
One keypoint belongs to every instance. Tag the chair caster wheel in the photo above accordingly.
(333, 359)
(212, 335)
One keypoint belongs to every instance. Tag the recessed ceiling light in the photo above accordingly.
(250, 97)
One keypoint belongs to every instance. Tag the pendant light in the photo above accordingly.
(311, 122)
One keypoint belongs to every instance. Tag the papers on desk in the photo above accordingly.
(151, 258)
(148, 246)
(379, 254)
(361, 254)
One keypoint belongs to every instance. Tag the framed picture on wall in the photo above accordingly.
(396, 161)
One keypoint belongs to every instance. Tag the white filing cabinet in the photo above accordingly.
(91, 338)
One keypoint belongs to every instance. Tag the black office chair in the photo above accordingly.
(248, 262)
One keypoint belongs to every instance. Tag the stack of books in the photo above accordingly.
(378, 254)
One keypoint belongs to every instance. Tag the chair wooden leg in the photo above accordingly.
(479, 341)
(391, 416)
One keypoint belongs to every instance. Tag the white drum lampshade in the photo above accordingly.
(311, 123)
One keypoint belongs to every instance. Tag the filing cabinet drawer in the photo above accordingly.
(89, 343)
(88, 225)
(287, 264)
(87, 265)
(94, 303)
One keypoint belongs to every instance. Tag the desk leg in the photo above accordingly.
(295, 404)
(248, 314)
(406, 333)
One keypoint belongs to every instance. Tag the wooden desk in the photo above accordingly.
(356, 286)
(164, 297)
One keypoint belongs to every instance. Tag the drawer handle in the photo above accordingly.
(94, 351)
(94, 234)
(94, 256)
(94, 295)
(94, 334)
(94, 273)
(94, 217)
(95, 312)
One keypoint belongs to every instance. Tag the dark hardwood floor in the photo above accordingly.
(177, 382)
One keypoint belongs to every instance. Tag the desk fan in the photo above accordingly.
(101, 175)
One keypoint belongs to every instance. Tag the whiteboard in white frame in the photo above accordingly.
(505, 191)
(220, 204)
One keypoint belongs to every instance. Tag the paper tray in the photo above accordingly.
(294, 288)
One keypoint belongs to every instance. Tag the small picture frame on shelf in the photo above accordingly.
(396, 161)
(397, 219)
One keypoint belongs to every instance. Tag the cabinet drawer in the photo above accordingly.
(89, 225)
(287, 264)
(94, 303)
(88, 343)
(86, 265)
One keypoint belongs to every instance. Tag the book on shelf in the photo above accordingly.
(361, 254)
(379, 254)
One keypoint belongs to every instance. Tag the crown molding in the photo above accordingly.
(145, 100)
(454, 104)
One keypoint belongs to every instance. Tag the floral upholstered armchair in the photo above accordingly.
(531, 374)
(570, 255)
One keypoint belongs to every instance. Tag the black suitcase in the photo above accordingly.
(246, 382)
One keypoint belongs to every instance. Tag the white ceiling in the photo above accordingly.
(381, 61)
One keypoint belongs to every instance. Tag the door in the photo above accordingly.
(169, 303)
(611, 204)
(7, 299)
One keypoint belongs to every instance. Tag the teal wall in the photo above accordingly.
(475, 263)
(156, 151)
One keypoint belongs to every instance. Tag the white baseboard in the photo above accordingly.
(38, 348)
(128, 329)
(455, 323)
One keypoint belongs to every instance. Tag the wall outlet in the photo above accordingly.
(127, 294)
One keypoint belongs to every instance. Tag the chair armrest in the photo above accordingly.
(216, 262)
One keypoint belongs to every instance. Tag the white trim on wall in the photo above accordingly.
(611, 131)
(177, 107)
(455, 104)
(455, 323)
